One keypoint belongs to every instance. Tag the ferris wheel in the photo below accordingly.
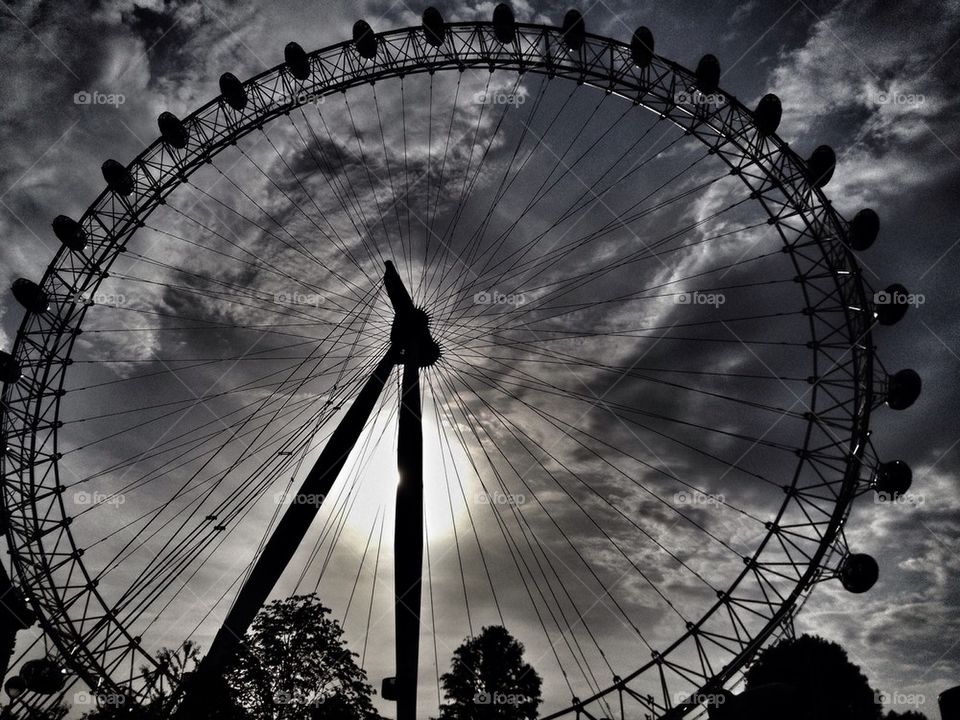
(455, 325)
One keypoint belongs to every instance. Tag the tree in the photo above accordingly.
(829, 686)
(489, 680)
(160, 681)
(293, 664)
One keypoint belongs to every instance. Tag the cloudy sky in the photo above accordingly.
(877, 82)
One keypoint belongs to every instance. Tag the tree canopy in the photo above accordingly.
(489, 680)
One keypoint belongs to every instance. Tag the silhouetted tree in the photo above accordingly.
(489, 680)
(829, 686)
(294, 663)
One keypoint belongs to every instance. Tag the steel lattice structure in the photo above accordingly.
(94, 643)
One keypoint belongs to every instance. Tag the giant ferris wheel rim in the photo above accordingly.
(468, 45)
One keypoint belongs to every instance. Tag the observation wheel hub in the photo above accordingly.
(410, 334)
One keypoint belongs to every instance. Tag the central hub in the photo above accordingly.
(410, 334)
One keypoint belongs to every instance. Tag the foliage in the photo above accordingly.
(489, 680)
(294, 664)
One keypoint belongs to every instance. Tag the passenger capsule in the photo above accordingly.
(119, 179)
(433, 26)
(820, 166)
(43, 676)
(864, 229)
(903, 388)
(890, 304)
(859, 573)
(708, 74)
(641, 46)
(768, 114)
(10, 371)
(15, 687)
(388, 689)
(297, 61)
(172, 130)
(364, 40)
(69, 232)
(893, 478)
(504, 24)
(573, 29)
(233, 92)
(30, 295)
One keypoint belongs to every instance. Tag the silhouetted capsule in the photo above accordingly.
(820, 166)
(296, 60)
(119, 179)
(433, 26)
(574, 30)
(893, 478)
(903, 388)
(859, 573)
(233, 92)
(891, 304)
(641, 46)
(172, 130)
(43, 676)
(864, 229)
(708, 74)
(69, 232)
(388, 689)
(767, 115)
(30, 295)
(10, 371)
(364, 39)
(504, 23)
(15, 687)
